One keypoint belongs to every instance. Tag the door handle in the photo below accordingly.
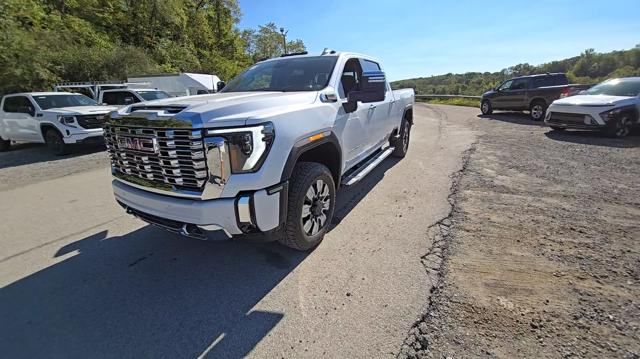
(372, 107)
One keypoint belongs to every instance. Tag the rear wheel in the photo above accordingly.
(401, 143)
(5, 145)
(621, 127)
(312, 198)
(485, 107)
(537, 110)
(56, 144)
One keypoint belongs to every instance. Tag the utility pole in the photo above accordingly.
(284, 39)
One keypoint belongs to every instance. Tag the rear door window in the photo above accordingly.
(368, 65)
(519, 84)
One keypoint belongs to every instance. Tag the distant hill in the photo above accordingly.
(590, 67)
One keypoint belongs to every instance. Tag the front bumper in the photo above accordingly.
(91, 136)
(256, 211)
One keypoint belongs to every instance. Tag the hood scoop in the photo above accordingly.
(160, 110)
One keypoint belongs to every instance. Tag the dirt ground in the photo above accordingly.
(540, 257)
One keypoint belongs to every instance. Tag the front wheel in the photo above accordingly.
(485, 107)
(621, 128)
(312, 198)
(56, 144)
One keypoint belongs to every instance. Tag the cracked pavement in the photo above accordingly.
(80, 278)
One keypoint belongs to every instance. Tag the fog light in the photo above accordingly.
(589, 120)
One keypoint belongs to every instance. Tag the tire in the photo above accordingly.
(537, 110)
(56, 144)
(401, 144)
(621, 127)
(5, 145)
(556, 128)
(485, 107)
(312, 198)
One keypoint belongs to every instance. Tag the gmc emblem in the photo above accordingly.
(142, 144)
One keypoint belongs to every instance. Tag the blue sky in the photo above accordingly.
(422, 38)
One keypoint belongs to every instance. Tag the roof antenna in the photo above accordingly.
(327, 51)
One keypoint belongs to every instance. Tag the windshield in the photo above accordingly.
(616, 88)
(292, 74)
(153, 95)
(63, 100)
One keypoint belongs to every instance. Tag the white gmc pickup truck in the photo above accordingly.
(55, 118)
(266, 154)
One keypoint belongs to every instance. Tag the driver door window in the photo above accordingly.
(506, 86)
(350, 78)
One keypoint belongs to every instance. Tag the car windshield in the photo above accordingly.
(287, 74)
(63, 100)
(616, 88)
(153, 95)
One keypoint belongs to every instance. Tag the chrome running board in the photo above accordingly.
(367, 167)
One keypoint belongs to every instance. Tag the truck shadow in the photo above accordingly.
(145, 294)
(596, 138)
(348, 198)
(518, 118)
(28, 153)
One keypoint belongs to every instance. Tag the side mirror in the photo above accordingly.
(582, 92)
(28, 110)
(373, 88)
(128, 100)
(220, 85)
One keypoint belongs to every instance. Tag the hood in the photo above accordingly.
(592, 100)
(81, 110)
(488, 93)
(225, 109)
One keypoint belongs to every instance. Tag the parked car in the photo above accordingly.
(612, 107)
(128, 96)
(533, 93)
(266, 154)
(55, 118)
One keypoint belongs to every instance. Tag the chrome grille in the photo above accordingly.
(177, 160)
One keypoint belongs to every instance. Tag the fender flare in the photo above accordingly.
(298, 150)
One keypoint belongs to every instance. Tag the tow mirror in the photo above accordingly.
(220, 85)
(373, 88)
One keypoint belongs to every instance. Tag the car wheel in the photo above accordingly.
(537, 110)
(401, 144)
(56, 144)
(312, 198)
(485, 107)
(556, 128)
(621, 127)
(5, 145)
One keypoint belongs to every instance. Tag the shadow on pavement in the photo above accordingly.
(348, 198)
(145, 294)
(150, 293)
(518, 118)
(596, 138)
(22, 154)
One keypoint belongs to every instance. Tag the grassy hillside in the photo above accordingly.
(589, 67)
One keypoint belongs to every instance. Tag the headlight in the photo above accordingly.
(612, 114)
(67, 120)
(248, 146)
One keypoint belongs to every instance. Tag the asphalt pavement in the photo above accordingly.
(80, 278)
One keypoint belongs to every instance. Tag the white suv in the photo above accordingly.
(612, 107)
(55, 118)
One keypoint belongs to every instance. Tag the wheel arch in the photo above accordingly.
(326, 151)
(538, 99)
(45, 126)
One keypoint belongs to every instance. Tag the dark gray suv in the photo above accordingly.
(533, 93)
